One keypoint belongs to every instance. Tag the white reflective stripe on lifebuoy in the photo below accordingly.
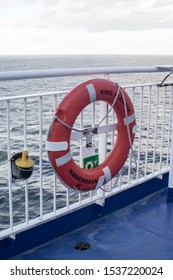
(107, 172)
(56, 146)
(135, 128)
(129, 119)
(92, 92)
(107, 175)
(64, 159)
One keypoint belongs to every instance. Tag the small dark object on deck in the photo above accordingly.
(81, 246)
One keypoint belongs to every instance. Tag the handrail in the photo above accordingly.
(54, 73)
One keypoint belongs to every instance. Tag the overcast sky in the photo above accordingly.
(86, 27)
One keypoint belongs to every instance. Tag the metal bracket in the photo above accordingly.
(88, 133)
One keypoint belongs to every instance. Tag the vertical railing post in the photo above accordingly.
(25, 148)
(102, 148)
(9, 167)
(102, 145)
(155, 130)
(148, 131)
(103, 136)
(170, 182)
(54, 176)
(140, 134)
(41, 156)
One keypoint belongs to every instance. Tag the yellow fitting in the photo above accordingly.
(24, 161)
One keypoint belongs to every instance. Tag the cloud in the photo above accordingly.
(102, 15)
(162, 3)
(92, 16)
(85, 25)
(2, 2)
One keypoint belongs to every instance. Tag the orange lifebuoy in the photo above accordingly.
(58, 140)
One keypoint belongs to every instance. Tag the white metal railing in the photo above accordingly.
(35, 74)
(24, 124)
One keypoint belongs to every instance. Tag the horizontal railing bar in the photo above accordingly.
(34, 95)
(10, 98)
(54, 73)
